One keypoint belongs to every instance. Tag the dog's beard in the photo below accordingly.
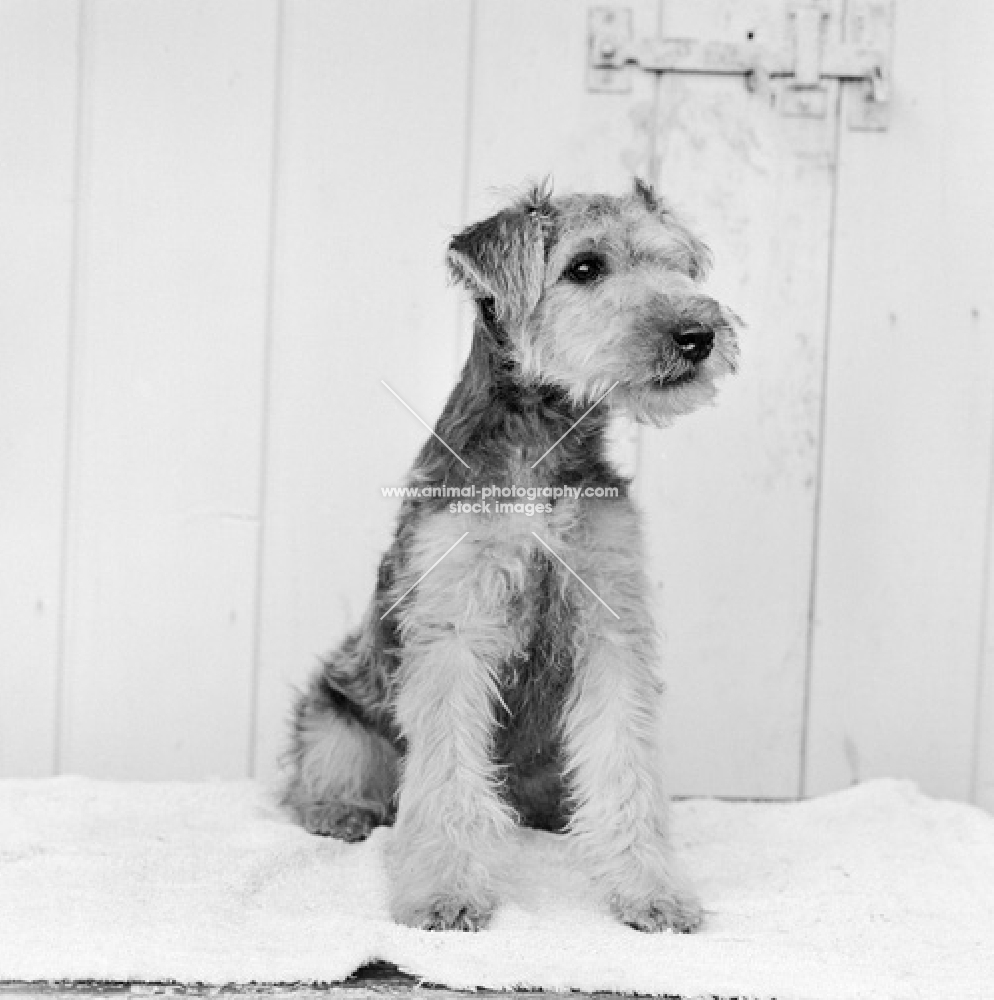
(660, 405)
(677, 386)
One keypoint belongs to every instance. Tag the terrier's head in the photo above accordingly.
(588, 292)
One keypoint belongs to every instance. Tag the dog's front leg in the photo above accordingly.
(619, 824)
(451, 821)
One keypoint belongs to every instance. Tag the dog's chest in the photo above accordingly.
(534, 686)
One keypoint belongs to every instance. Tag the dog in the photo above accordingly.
(506, 670)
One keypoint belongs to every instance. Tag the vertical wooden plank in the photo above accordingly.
(533, 117)
(532, 113)
(983, 752)
(169, 368)
(38, 50)
(908, 437)
(970, 206)
(371, 167)
(730, 492)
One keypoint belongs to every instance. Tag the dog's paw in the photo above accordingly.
(333, 819)
(666, 909)
(449, 913)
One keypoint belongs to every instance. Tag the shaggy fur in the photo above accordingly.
(515, 680)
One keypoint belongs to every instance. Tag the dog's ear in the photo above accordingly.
(644, 192)
(697, 251)
(502, 258)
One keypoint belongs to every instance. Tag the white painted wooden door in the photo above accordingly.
(730, 494)
(223, 224)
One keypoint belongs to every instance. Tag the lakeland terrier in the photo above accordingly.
(506, 670)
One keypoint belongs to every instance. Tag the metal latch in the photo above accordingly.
(813, 54)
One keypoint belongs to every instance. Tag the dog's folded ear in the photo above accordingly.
(644, 191)
(502, 259)
(698, 255)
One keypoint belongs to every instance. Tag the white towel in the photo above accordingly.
(876, 892)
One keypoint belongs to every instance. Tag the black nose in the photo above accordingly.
(694, 344)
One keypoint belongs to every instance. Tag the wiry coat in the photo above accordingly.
(515, 679)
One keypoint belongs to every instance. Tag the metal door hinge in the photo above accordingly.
(814, 51)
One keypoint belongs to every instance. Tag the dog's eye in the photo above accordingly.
(586, 268)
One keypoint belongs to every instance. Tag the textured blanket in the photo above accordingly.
(876, 892)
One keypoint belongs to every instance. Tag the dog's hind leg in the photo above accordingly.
(342, 763)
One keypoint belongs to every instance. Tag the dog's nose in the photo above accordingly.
(694, 344)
